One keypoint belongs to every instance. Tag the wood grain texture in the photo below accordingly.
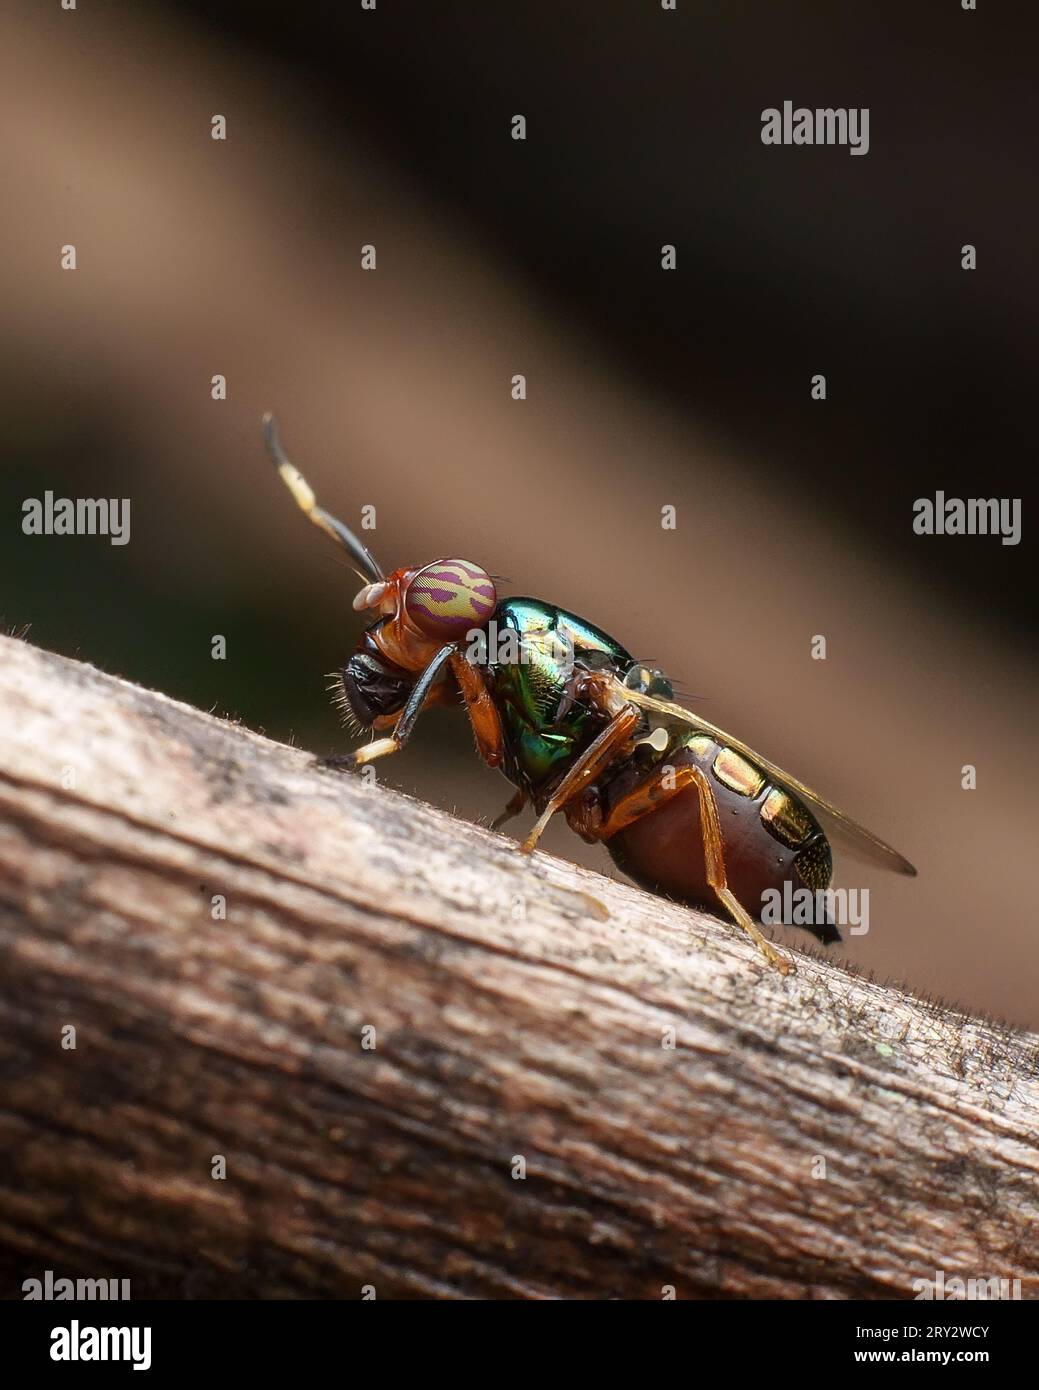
(519, 1008)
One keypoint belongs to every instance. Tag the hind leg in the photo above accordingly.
(660, 786)
(714, 858)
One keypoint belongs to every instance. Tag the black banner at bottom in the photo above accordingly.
(178, 1339)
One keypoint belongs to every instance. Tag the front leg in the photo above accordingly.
(481, 709)
(402, 730)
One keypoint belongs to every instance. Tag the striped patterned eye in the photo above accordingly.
(449, 598)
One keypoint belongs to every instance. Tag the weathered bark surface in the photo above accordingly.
(519, 1009)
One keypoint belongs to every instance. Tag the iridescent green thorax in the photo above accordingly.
(531, 664)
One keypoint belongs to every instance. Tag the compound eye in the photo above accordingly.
(449, 598)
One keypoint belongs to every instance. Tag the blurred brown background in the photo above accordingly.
(242, 257)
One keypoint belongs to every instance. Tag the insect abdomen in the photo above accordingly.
(769, 837)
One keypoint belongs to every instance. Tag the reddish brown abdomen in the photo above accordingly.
(769, 837)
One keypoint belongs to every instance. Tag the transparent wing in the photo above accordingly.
(857, 839)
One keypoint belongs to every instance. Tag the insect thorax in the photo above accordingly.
(534, 649)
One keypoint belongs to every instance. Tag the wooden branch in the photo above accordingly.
(817, 1136)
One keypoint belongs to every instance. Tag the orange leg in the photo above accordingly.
(714, 858)
(649, 795)
(595, 757)
(658, 788)
(482, 711)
